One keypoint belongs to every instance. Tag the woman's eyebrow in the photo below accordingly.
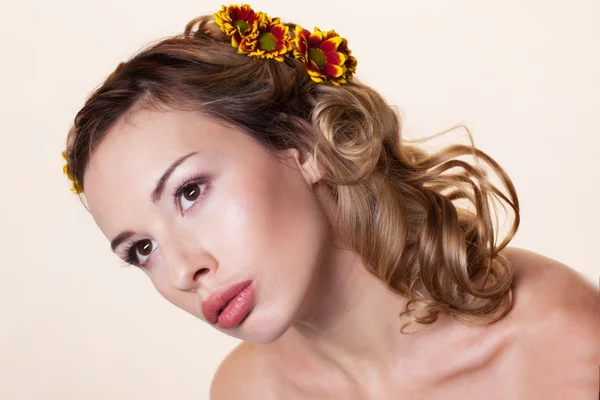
(155, 197)
(120, 238)
(162, 181)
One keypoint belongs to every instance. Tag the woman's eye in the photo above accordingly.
(143, 249)
(189, 195)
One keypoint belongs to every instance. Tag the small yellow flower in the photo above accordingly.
(75, 185)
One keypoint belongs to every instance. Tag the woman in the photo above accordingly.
(264, 189)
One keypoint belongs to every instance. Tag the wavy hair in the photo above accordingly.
(396, 204)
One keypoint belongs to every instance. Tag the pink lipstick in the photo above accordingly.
(229, 306)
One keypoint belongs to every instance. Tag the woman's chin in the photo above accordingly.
(260, 330)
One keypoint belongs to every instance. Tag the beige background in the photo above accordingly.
(523, 76)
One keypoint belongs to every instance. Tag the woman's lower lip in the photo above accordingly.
(237, 309)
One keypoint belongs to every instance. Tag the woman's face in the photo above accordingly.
(252, 217)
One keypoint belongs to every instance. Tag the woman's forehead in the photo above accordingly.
(150, 140)
(125, 168)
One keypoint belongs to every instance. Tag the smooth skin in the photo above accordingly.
(546, 347)
(321, 326)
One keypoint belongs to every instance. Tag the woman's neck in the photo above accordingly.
(350, 322)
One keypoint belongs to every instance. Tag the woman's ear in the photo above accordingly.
(306, 163)
(304, 159)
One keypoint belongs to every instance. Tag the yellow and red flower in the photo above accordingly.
(237, 21)
(325, 55)
(271, 40)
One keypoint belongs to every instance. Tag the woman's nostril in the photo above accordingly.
(202, 271)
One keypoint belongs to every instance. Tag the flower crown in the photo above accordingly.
(324, 54)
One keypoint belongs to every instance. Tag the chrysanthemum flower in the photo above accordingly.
(271, 40)
(75, 186)
(325, 55)
(237, 21)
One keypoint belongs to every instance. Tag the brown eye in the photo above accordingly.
(144, 247)
(191, 192)
(140, 252)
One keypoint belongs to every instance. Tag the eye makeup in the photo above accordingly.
(191, 179)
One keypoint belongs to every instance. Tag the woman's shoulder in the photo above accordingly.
(557, 319)
(246, 372)
(546, 346)
(550, 288)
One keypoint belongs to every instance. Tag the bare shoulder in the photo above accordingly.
(559, 321)
(246, 373)
(553, 287)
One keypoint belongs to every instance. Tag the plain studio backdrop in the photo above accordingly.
(522, 75)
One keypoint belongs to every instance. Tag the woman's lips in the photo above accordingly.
(234, 301)
(237, 309)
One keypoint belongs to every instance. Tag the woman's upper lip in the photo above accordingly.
(219, 299)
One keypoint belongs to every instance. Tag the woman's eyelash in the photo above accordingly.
(130, 257)
(194, 179)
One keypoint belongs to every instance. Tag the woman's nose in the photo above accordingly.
(188, 277)
(188, 266)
